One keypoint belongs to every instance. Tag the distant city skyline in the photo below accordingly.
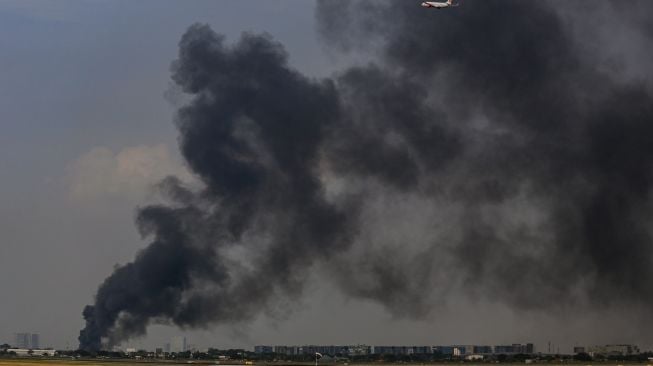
(27, 340)
(361, 349)
(180, 343)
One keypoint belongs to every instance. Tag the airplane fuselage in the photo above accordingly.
(436, 4)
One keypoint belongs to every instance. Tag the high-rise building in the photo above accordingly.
(27, 340)
(22, 340)
(35, 341)
(179, 344)
(530, 348)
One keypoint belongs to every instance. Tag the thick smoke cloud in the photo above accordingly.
(483, 151)
(542, 132)
(252, 135)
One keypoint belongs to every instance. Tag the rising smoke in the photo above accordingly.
(483, 151)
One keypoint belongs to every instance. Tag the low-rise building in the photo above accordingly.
(390, 350)
(32, 352)
(474, 357)
(503, 349)
(613, 350)
(483, 350)
(445, 350)
(263, 349)
(359, 350)
(515, 348)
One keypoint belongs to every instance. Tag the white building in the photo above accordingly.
(474, 357)
(32, 352)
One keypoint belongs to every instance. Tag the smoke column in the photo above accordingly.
(523, 164)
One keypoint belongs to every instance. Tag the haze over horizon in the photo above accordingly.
(382, 174)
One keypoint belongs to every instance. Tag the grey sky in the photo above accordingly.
(86, 130)
(78, 76)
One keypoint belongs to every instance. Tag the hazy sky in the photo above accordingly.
(85, 130)
(86, 120)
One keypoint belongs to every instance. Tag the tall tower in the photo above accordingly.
(35, 341)
(22, 340)
(179, 344)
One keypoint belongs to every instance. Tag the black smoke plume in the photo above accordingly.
(252, 134)
(530, 166)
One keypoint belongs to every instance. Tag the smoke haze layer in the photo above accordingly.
(485, 151)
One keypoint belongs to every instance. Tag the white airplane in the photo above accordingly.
(438, 4)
